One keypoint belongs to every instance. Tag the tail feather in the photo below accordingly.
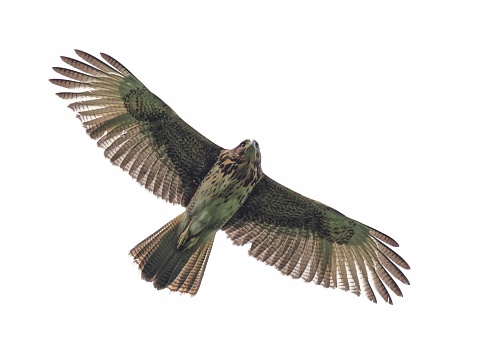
(188, 277)
(154, 252)
(166, 266)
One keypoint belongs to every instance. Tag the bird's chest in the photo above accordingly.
(218, 197)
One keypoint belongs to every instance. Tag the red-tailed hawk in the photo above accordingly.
(221, 189)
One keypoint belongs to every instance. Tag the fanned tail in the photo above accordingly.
(166, 266)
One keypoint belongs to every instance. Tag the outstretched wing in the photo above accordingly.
(137, 130)
(307, 239)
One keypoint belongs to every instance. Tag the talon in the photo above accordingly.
(185, 242)
(182, 240)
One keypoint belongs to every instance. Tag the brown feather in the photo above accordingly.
(117, 107)
(300, 237)
(337, 251)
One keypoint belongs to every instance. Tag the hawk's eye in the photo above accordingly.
(242, 144)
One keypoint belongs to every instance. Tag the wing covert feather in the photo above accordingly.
(137, 130)
(305, 238)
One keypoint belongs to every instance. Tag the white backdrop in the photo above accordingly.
(367, 107)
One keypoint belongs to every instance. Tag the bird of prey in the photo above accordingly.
(221, 189)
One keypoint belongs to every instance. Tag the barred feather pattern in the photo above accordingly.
(190, 276)
(127, 141)
(364, 265)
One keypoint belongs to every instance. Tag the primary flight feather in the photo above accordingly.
(221, 189)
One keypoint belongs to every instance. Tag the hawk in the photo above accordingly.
(221, 189)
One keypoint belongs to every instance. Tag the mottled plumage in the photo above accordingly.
(221, 190)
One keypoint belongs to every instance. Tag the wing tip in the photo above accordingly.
(383, 237)
(80, 52)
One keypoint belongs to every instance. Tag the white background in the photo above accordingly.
(368, 106)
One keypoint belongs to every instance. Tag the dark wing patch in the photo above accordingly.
(138, 131)
(307, 239)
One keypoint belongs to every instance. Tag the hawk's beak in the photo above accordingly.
(251, 150)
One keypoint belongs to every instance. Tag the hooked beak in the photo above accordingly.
(251, 150)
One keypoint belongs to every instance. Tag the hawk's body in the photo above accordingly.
(221, 189)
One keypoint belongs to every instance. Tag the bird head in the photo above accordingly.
(249, 150)
(242, 161)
